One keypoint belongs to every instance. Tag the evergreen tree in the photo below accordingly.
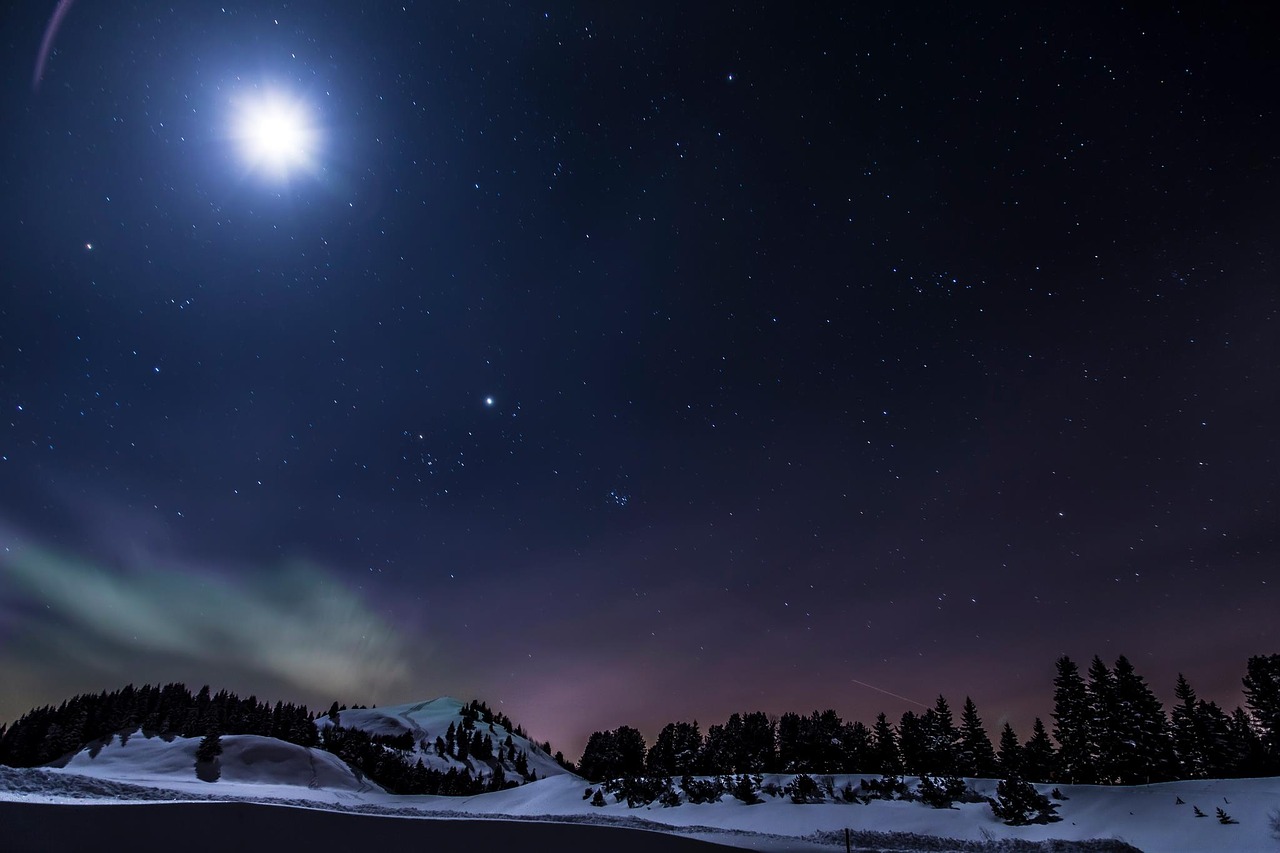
(1248, 756)
(631, 751)
(1144, 748)
(758, 749)
(1071, 717)
(1038, 759)
(1188, 737)
(942, 739)
(210, 747)
(1017, 803)
(856, 750)
(974, 757)
(1010, 755)
(885, 758)
(613, 755)
(1104, 739)
(676, 751)
(789, 748)
(1262, 696)
(1215, 734)
(912, 743)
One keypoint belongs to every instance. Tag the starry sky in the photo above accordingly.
(632, 362)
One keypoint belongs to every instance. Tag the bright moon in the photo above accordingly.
(275, 134)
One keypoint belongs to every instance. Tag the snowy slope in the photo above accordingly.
(1148, 817)
(245, 760)
(260, 769)
(425, 721)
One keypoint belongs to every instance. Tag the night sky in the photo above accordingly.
(620, 363)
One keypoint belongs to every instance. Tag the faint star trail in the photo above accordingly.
(46, 44)
(888, 693)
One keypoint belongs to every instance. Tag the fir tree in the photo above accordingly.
(855, 747)
(1017, 803)
(677, 750)
(885, 758)
(1010, 755)
(974, 757)
(1248, 756)
(1143, 743)
(912, 743)
(1187, 735)
(631, 751)
(1038, 758)
(942, 739)
(758, 746)
(1071, 724)
(210, 747)
(1262, 696)
(1104, 740)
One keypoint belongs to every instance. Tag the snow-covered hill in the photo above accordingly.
(424, 722)
(1154, 818)
(245, 760)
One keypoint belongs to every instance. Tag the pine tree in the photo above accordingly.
(855, 741)
(974, 757)
(1215, 733)
(1071, 724)
(912, 744)
(631, 751)
(789, 747)
(885, 758)
(757, 745)
(1017, 803)
(1038, 758)
(1010, 755)
(210, 747)
(677, 750)
(942, 739)
(1248, 756)
(1188, 737)
(1262, 696)
(1104, 739)
(1144, 748)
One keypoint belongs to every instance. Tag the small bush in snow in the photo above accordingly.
(747, 788)
(1018, 803)
(703, 790)
(941, 792)
(803, 789)
(889, 788)
(598, 798)
(669, 798)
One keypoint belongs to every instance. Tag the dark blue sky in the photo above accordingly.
(628, 363)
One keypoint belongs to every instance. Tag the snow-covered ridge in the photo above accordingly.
(1152, 818)
(428, 725)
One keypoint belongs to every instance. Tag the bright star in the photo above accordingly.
(275, 133)
(488, 401)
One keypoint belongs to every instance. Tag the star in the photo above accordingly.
(275, 134)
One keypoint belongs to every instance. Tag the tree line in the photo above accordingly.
(48, 733)
(45, 734)
(1108, 728)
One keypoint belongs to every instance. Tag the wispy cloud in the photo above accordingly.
(295, 625)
